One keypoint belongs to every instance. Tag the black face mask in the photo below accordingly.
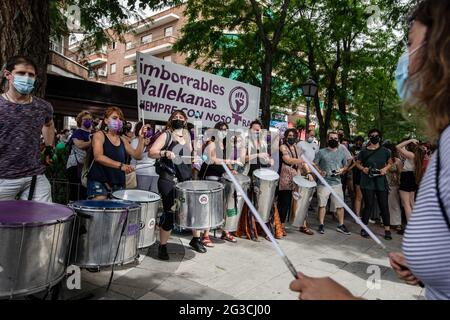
(374, 140)
(291, 141)
(333, 143)
(177, 124)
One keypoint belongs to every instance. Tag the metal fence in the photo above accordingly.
(63, 189)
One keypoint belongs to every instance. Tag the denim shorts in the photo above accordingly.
(95, 188)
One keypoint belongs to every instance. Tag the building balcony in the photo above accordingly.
(97, 58)
(163, 44)
(62, 65)
(155, 23)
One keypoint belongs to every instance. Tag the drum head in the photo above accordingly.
(103, 204)
(137, 195)
(32, 213)
(200, 185)
(239, 177)
(266, 174)
(304, 183)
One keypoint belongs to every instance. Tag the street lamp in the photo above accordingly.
(309, 89)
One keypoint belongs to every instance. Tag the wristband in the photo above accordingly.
(120, 167)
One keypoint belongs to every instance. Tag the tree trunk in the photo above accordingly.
(266, 89)
(25, 29)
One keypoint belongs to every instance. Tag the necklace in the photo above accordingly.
(12, 100)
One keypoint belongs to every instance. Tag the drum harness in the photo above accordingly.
(124, 225)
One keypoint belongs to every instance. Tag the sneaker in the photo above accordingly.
(343, 229)
(321, 229)
(364, 234)
(387, 235)
(162, 252)
(372, 221)
(197, 245)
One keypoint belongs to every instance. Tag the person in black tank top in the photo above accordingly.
(212, 168)
(107, 164)
(174, 142)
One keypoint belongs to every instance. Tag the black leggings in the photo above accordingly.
(166, 189)
(369, 202)
(284, 203)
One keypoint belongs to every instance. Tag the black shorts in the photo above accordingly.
(408, 182)
(356, 177)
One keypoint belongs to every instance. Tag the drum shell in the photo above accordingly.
(301, 206)
(191, 213)
(149, 214)
(264, 193)
(97, 236)
(232, 222)
(35, 258)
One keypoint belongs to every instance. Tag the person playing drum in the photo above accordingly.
(257, 157)
(290, 167)
(212, 169)
(107, 169)
(171, 144)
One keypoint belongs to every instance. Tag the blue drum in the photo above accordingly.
(106, 233)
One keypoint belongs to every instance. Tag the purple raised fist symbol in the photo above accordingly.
(238, 100)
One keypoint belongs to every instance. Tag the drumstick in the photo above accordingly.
(261, 222)
(342, 202)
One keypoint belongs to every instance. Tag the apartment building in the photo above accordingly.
(115, 64)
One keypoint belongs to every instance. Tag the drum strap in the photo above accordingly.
(124, 226)
(32, 188)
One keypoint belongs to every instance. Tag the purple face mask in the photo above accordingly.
(87, 123)
(115, 125)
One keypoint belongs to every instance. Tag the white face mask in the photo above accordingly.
(310, 140)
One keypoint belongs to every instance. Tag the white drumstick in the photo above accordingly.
(261, 222)
(342, 202)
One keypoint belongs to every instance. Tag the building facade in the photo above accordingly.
(115, 64)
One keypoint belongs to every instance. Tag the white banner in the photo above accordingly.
(164, 87)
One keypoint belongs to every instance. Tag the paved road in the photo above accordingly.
(252, 270)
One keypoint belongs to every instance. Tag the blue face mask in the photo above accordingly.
(23, 84)
(402, 75)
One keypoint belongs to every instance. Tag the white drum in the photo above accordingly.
(302, 196)
(149, 202)
(265, 183)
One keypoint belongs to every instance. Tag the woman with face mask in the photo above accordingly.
(173, 143)
(215, 153)
(291, 166)
(107, 170)
(79, 143)
(424, 81)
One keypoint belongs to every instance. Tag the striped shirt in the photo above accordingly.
(426, 244)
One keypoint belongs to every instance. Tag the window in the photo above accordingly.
(168, 58)
(131, 85)
(128, 70)
(114, 45)
(57, 45)
(113, 68)
(129, 45)
(146, 39)
(168, 32)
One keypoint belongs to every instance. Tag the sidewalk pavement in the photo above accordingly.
(252, 270)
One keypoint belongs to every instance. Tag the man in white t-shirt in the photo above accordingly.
(310, 147)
